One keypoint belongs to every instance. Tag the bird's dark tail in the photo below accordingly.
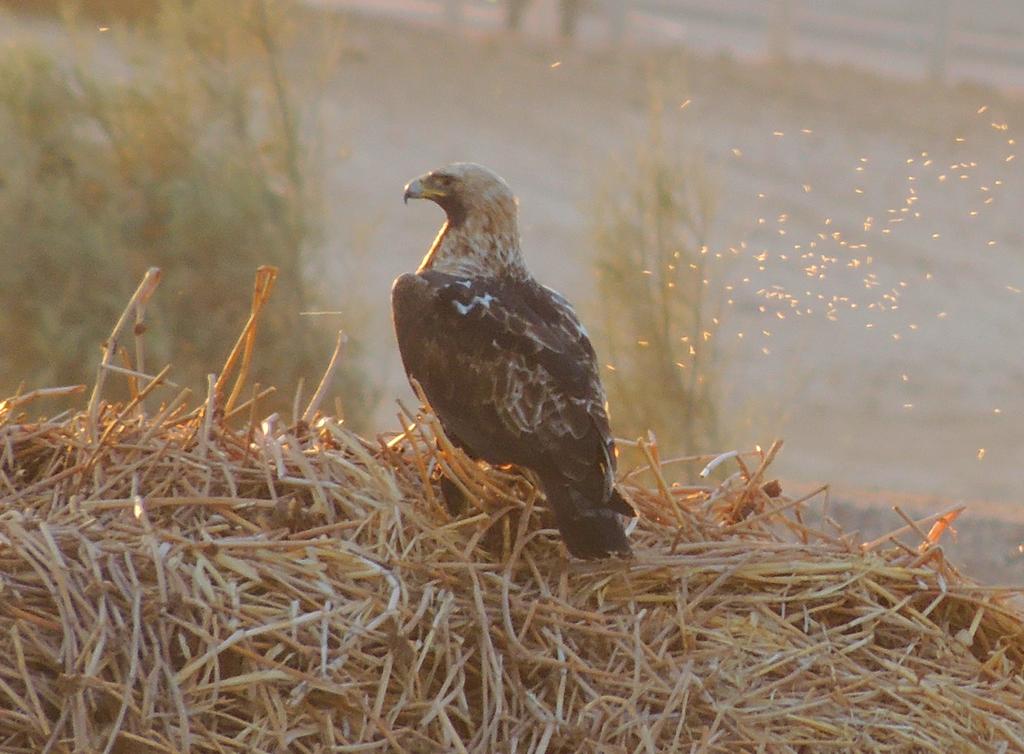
(589, 530)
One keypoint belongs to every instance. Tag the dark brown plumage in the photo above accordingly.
(504, 360)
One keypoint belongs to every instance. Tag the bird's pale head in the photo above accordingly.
(480, 235)
(465, 190)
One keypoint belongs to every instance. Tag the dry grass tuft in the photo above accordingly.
(187, 578)
(661, 296)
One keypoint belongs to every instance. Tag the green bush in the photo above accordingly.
(193, 161)
(650, 225)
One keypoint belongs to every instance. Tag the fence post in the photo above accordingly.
(938, 54)
(781, 31)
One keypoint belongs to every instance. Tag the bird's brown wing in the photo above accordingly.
(511, 372)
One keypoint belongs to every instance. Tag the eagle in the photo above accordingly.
(504, 360)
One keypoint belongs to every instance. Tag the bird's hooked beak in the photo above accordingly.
(422, 188)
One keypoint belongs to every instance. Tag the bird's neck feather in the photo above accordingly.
(476, 249)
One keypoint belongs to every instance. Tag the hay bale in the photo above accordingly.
(185, 582)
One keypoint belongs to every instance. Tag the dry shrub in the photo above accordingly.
(650, 225)
(189, 578)
(103, 11)
(182, 145)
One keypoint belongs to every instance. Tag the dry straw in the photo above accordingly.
(192, 579)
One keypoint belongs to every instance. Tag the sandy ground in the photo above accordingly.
(892, 397)
(898, 394)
